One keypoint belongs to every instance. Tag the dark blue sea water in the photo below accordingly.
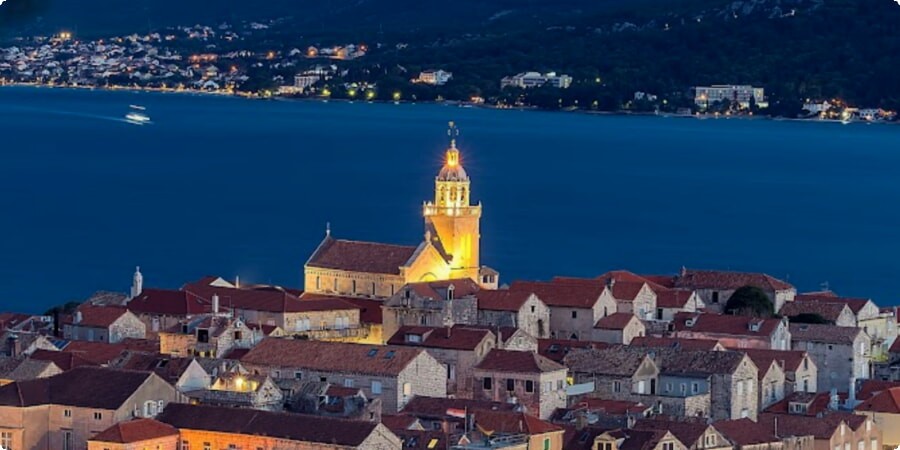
(235, 187)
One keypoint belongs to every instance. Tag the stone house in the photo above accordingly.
(633, 293)
(431, 304)
(629, 374)
(883, 409)
(103, 324)
(517, 309)
(732, 379)
(444, 414)
(619, 328)
(23, 369)
(162, 309)
(208, 335)
(715, 287)
(771, 382)
(213, 427)
(800, 372)
(395, 374)
(833, 430)
(841, 354)
(734, 331)
(459, 348)
(238, 390)
(515, 339)
(511, 431)
(64, 411)
(575, 305)
(186, 374)
(524, 378)
(670, 302)
(138, 434)
(835, 313)
(678, 343)
(623, 439)
(881, 326)
(694, 435)
(16, 344)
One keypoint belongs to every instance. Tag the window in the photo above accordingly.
(348, 382)
(376, 387)
(451, 372)
(574, 314)
(641, 387)
(232, 446)
(67, 440)
(868, 425)
(353, 286)
(683, 388)
(745, 413)
(873, 445)
(98, 416)
(740, 388)
(510, 385)
(207, 446)
(318, 283)
(559, 385)
(67, 413)
(668, 446)
(373, 288)
(335, 285)
(617, 386)
(238, 335)
(149, 408)
(861, 445)
(715, 297)
(529, 386)
(298, 375)
(695, 387)
(486, 383)
(668, 387)
(185, 445)
(6, 440)
(546, 443)
(710, 440)
(407, 389)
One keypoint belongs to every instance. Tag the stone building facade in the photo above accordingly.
(431, 304)
(575, 305)
(841, 354)
(138, 434)
(525, 378)
(523, 310)
(103, 324)
(716, 287)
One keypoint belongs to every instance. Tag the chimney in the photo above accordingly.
(851, 394)
(449, 332)
(499, 338)
(776, 427)
(15, 347)
(450, 290)
(581, 420)
(215, 303)
(77, 317)
(611, 282)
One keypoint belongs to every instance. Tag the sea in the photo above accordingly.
(244, 188)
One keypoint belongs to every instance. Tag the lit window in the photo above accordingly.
(185, 445)
(407, 389)
(6, 440)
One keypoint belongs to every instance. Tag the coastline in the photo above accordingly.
(460, 104)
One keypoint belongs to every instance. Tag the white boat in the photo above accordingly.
(137, 115)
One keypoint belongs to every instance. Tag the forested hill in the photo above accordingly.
(795, 48)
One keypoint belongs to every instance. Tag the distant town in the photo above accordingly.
(227, 60)
(394, 347)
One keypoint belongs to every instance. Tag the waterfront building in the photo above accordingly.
(449, 251)
(704, 96)
(528, 80)
(434, 77)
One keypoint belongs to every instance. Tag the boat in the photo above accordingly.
(137, 115)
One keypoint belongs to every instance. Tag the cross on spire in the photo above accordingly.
(453, 132)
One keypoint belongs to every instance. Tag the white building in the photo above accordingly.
(527, 80)
(817, 108)
(704, 96)
(434, 77)
(303, 81)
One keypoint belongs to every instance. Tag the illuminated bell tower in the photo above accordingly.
(451, 221)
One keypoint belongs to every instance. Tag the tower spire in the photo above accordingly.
(453, 132)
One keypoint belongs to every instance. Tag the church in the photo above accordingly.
(449, 251)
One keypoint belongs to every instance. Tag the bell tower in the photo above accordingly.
(450, 220)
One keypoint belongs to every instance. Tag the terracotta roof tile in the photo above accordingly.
(134, 431)
(726, 325)
(614, 407)
(614, 360)
(816, 403)
(797, 425)
(512, 422)
(168, 302)
(789, 360)
(615, 321)
(582, 294)
(332, 356)
(557, 349)
(855, 304)
(518, 362)
(99, 316)
(828, 311)
(87, 387)
(356, 256)
(673, 298)
(63, 360)
(743, 432)
(726, 280)
(287, 426)
(99, 353)
(457, 337)
(436, 407)
(868, 388)
(265, 298)
(502, 300)
(688, 433)
(676, 343)
(887, 401)
(438, 290)
(831, 334)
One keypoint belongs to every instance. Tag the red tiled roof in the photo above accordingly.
(689, 433)
(99, 353)
(831, 334)
(10, 319)
(236, 353)
(557, 349)
(512, 422)
(332, 356)
(98, 316)
(613, 407)
(615, 321)
(398, 422)
(341, 391)
(287, 426)
(438, 290)
(821, 428)
(788, 360)
(895, 347)
(667, 281)
(677, 343)
(868, 388)
(563, 293)
(133, 431)
(717, 279)
(502, 300)
(745, 432)
(883, 402)
(457, 337)
(169, 303)
(140, 345)
(828, 311)
(673, 298)
(816, 403)
(369, 309)
(63, 360)
(518, 362)
(855, 304)
(265, 298)
(436, 407)
(725, 324)
(356, 256)
(86, 387)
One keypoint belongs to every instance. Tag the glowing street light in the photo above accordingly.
(397, 96)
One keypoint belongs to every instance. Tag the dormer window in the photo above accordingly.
(414, 338)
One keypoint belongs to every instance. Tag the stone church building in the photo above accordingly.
(449, 251)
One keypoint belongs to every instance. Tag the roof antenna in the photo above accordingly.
(327, 229)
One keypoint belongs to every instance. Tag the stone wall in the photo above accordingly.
(540, 394)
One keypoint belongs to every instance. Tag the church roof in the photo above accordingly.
(357, 256)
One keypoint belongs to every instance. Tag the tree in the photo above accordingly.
(813, 318)
(750, 301)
